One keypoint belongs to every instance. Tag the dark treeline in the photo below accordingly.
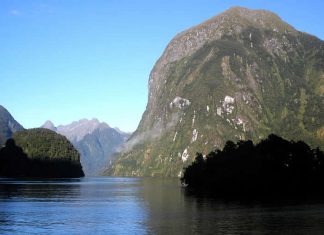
(15, 163)
(274, 166)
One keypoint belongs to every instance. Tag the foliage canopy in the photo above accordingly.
(272, 167)
(39, 153)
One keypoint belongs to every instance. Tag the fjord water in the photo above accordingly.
(143, 206)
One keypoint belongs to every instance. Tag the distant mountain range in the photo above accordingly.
(96, 142)
(35, 152)
(8, 125)
(240, 75)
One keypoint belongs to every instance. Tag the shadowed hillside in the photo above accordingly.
(8, 125)
(274, 166)
(39, 153)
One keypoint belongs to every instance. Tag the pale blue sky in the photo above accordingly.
(63, 60)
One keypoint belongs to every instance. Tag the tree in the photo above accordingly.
(274, 166)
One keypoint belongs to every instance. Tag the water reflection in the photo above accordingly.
(269, 215)
(173, 210)
(144, 206)
(80, 206)
(47, 190)
(166, 207)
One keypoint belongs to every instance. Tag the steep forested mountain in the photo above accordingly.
(240, 75)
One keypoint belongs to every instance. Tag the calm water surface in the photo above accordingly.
(143, 206)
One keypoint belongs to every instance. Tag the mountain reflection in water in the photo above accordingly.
(143, 206)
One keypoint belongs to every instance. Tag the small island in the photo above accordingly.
(39, 153)
(273, 167)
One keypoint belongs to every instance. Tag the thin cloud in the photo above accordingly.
(15, 12)
(44, 8)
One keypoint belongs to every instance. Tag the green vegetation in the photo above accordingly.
(42, 143)
(272, 167)
(39, 153)
(272, 74)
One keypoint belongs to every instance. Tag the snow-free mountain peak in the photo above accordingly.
(49, 125)
(95, 141)
(8, 125)
(242, 74)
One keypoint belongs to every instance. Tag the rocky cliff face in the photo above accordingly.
(95, 141)
(8, 125)
(241, 75)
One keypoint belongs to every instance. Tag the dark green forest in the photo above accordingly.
(39, 153)
(274, 166)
